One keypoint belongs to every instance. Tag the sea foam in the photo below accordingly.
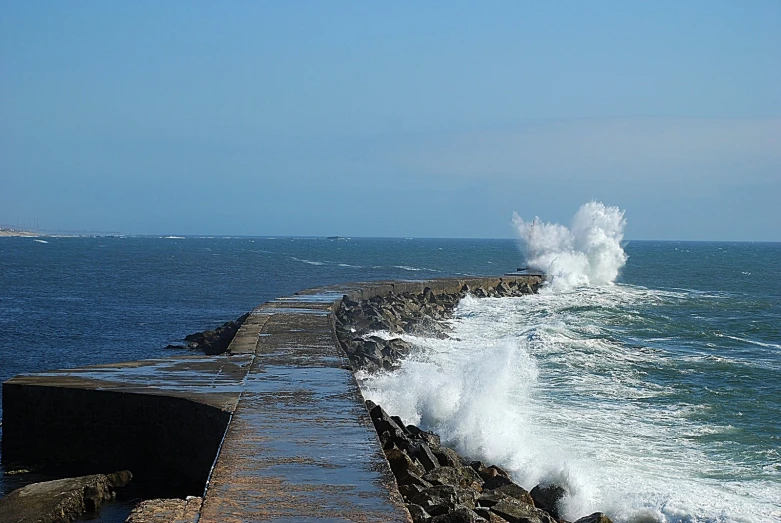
(588, 252)
(540, 386)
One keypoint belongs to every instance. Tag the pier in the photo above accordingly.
(275, 429)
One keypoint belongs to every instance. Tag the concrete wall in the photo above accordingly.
(287, 349)
(162, 439)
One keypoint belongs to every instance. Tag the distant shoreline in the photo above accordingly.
(14, 232)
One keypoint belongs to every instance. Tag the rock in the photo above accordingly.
(409, 491)
(489, 516)
(516, 512)
(414, 479)
(447, 457)
(431, 439)
(461, 515)
(547, 498)
(596, 517)
(418, 513)
(456, 476)
(489, 473)
(383, 422)
(489, 498)
(516, 492)
(61, 500)
(166, 511)
(494, 482)
(401, 465)
(215, 341)
(426, 457)
(444, 495)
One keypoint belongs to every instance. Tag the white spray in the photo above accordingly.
(589, 252)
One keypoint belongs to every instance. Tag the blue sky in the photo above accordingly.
(363, 119)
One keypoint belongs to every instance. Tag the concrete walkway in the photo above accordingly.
(276, 429)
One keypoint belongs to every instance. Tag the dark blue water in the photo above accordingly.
(692, 330)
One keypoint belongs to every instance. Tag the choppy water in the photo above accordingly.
(655, 399)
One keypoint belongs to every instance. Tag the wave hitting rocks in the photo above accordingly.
(440, 486)
(420, 314)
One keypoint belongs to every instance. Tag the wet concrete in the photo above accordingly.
(299, 444)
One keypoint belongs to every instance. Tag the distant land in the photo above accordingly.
(4, 231)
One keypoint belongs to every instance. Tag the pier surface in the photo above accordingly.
(275, 429)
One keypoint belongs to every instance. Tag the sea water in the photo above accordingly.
(653, 398)
(652, 395)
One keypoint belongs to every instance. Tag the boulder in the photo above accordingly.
(517, 512)
(402, 465)
(596, 517)
(514, 491)
(457, 476)
(447, 457)
(215, 341)
(460, 515)
(547, 498)
(446, 496)
(61, 500)
(418, 513)
(426, 457)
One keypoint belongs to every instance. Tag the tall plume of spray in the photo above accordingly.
(587, 253)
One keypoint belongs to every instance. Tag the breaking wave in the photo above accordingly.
(588, 252)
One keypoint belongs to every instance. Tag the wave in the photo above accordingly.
(413, 269)
(538, 386)
(309, 262)
(588, 252)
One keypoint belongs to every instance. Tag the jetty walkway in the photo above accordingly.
(275, 429)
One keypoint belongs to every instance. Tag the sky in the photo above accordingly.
(434, 119)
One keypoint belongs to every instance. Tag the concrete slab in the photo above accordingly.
(281, 412)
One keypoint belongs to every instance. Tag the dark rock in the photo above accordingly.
(489, 498)
(445, 495)
(447, 457)
(547, 498)
(489, 473)
(514, 491)
(383, 422)
(460, 515)
(418, 513)
(493, 482)
(596, 517)
(431, 439)
(395, 438)
(414, 479)
(409, 490)
(517, 512)
(489, 516)
(215, 341)
(456, 476)
(426, 457)
(400, 424)
(402, 465)
(61, 500)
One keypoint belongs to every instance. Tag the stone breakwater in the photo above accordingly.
(420, 313)
(275, 426)
(436, 483)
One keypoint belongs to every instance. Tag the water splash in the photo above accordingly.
(589, 252)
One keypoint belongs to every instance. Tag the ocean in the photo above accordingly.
(646, 381)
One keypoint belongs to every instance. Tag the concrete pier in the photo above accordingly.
(276, 429)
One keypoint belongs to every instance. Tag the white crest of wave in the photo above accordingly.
(526, 384)
(589, 252)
